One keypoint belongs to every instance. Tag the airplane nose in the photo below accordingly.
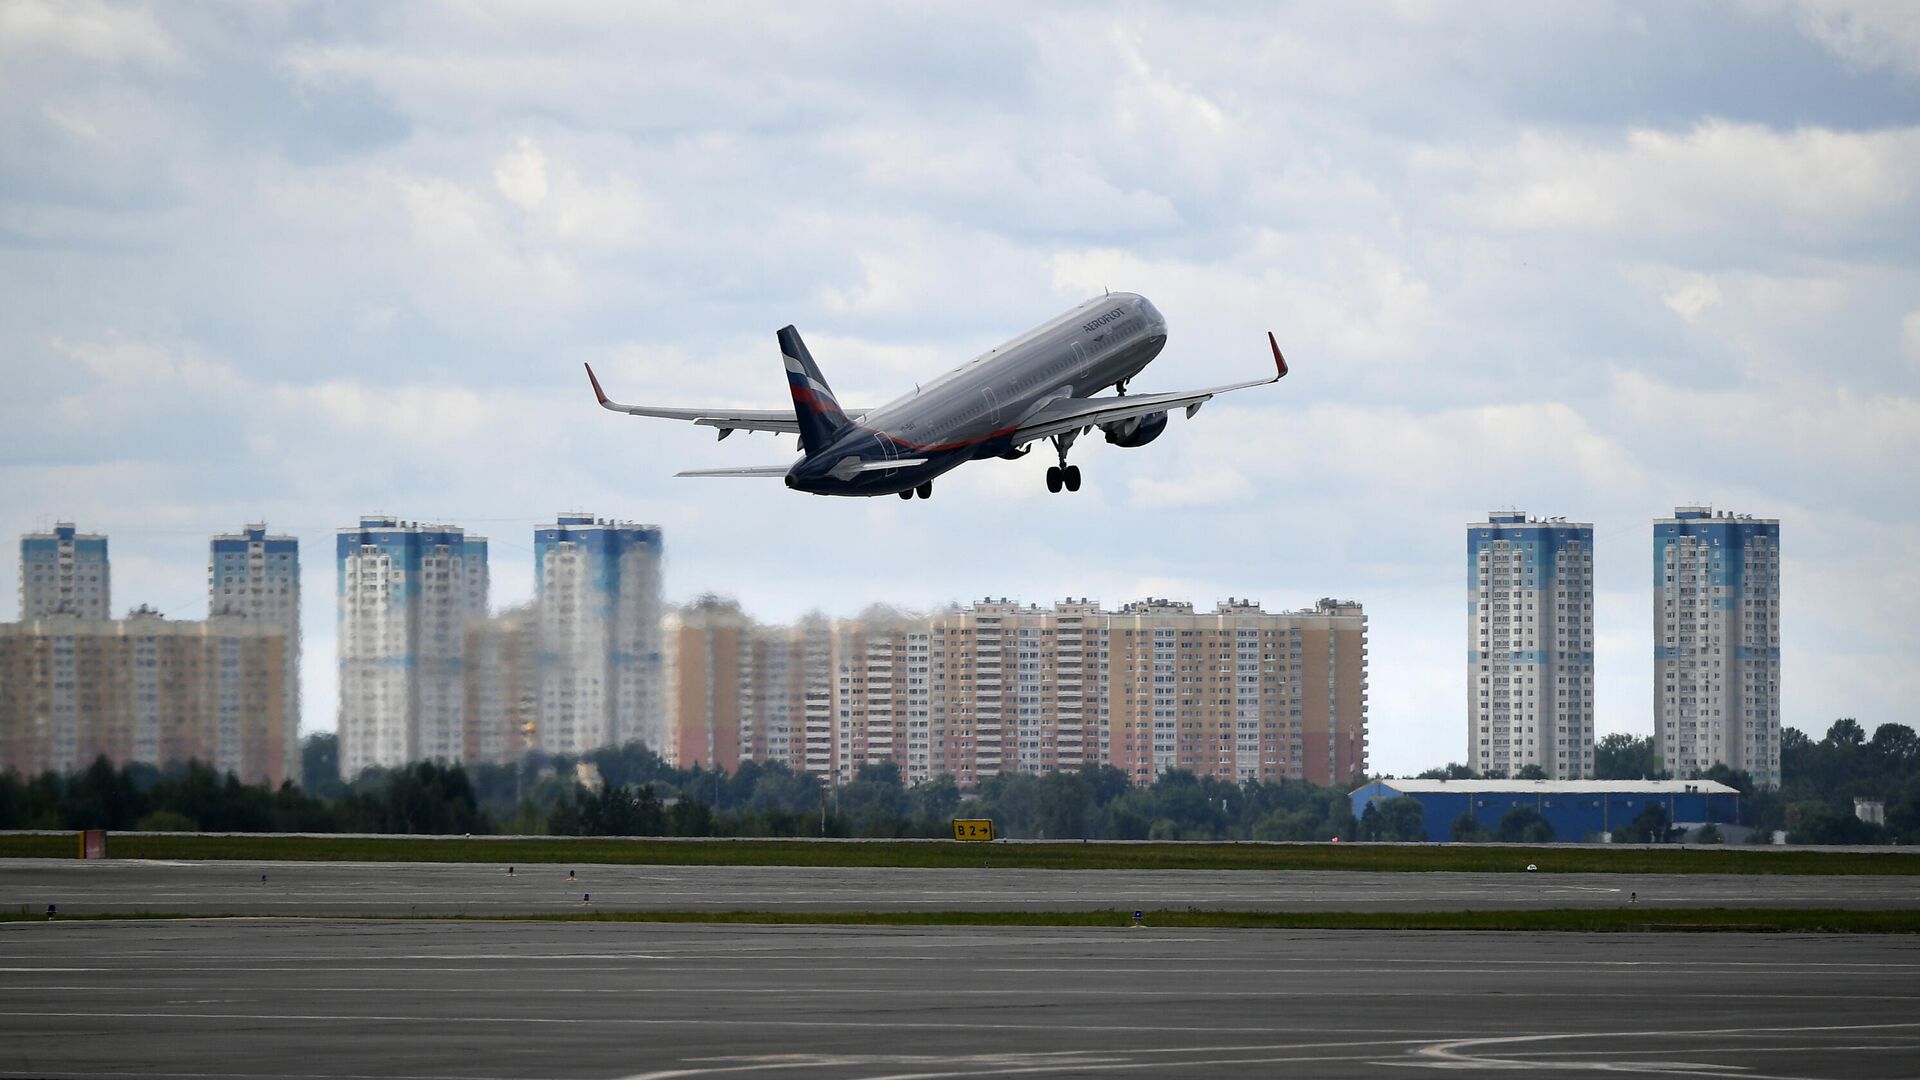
(790, 482)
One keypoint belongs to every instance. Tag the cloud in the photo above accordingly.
(1867, 34)
(1693, 296)
(89, 31)
(266, 265)
(1716, 181)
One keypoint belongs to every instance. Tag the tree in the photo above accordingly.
(1626, 757)
(320, 764)
(1708, 834)
(1530, 772)
(1650, 826)
(1524, 825)
(1468, 830)
(1452, 770)
(1897, 745)
(1065, 808)
(1402, 819)
(875, 802)
(1846, 731)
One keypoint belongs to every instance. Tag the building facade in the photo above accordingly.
(64, 572)
(502, 686)
(1237, 693)
(145, 689)
(1530, 646)
(710, 685)
(1578, 810)
(257, 576)
(1716, 644)
(406, 593)
(597, 587)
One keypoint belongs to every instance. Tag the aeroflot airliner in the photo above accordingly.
(1038, 386)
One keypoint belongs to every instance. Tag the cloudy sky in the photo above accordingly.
(293, 262)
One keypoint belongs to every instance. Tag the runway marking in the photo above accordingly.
(630, 1021)
(1448, 1055)
(992, 992)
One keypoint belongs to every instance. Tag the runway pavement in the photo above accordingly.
(312, 998)
(312, 888)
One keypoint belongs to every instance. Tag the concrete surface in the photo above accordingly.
(314, 998)
(213, 888)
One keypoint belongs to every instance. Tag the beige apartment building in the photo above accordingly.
(145, 689)
(1239, 693)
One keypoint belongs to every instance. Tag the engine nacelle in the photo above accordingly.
(1135, 430)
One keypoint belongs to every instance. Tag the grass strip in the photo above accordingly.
(1068, 855)
(1602, 920)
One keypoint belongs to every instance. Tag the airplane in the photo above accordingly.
(1040, 385)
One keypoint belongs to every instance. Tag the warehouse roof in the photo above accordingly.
(1562, 787)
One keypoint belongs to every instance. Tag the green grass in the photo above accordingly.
(1610, 920)
(1072, 855)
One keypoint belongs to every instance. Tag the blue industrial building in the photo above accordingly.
(1577, 809)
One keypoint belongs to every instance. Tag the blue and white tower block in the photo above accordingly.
(405, 592)
(597, 585)
(1530, 646)
(64, 572)
(253, 574)
(1716, 642)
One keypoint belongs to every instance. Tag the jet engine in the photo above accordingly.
(1135, 430)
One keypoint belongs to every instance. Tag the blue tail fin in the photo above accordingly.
(820, 416)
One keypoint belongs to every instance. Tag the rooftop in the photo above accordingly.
(1564, 787)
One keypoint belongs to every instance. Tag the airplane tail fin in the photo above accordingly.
(814, 405)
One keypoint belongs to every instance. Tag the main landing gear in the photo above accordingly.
(1063, 475)
(925, 491)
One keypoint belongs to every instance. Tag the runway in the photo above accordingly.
(313, 888)
(312, 998)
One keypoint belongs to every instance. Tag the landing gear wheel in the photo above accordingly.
(1054, 479)
(1072, 477)
(925, 490)
(907, 494)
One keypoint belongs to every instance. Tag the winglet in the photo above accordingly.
(598, 393)
(1279, 362)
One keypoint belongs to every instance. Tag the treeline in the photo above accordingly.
(1819, 783)
(630, 791)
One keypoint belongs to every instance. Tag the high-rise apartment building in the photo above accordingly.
(1530, 646)
(1238, 693)
(502, 686)
(257, 576)
(598, 601)
(406, 592)
(1716, 643)
(64, 572)
(144, 689)
(710, 685)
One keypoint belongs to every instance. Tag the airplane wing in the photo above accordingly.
(848, 468)
(746, 470)
(728, 420)
(1061, 415)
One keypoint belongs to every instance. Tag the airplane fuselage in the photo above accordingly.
(971, 412)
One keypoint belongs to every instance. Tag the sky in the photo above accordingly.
(297, 262)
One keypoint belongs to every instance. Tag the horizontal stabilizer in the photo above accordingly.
(747, 470)
(850, 467)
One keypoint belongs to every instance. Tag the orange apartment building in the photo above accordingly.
(1238, 693)
(145, 689)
